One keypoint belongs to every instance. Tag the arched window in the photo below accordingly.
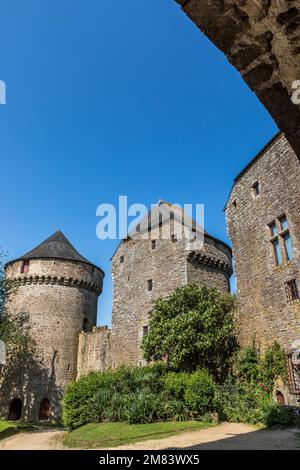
(85, 325)
(280, 398)
(15, 409)
(44, 410)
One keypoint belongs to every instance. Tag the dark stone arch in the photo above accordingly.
(15, 409)
(44, 413)
(280, 398)
(261, 39)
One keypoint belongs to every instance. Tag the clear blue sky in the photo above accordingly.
(114, 98)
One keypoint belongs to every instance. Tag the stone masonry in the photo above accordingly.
(261, 39)
(167, 265)
(262, 213)
(58, 289)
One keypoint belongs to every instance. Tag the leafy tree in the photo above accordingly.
(14, 330)
(193, 328)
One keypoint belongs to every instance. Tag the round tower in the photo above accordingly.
(57, 289)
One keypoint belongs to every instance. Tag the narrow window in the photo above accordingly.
(85, 325)
(149, 285)
(25, 267)
(153, 244)
(273, 228)
(291, 290)
(283, 223)
(277, 252)
(145, 330)
(174, 238)
(256, 189)
(172, 215)
(122, 259)
(286, 238)
(288, 246)
(234, 204)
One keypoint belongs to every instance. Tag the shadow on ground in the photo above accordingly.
(274, 439)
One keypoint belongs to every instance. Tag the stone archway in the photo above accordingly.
(261, 39)
(15, 409)
(44, 412)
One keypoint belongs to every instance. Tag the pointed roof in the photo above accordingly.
(55, 247)
(155, 217)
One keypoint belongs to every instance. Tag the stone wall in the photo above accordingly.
(57, 296)
(168, 266)
(263, 308)
(261, 40)
(93, 351)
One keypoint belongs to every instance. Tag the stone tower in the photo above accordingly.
(263, 223)
(58, 289)
(154, 265)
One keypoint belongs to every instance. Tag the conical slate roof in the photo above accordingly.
(58, 247)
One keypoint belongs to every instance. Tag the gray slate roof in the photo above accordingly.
(55, 247)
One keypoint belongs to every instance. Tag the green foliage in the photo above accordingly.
(200, 392)
(175, 383)
(256, 369)
(193, 328)
(248, 364)
(241, 402)
(272, 365)
(137, 395)
(281, 416)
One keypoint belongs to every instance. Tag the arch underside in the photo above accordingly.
(261, 39)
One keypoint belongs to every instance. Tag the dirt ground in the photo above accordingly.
(224, 436)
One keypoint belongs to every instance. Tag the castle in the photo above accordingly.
(58, 288)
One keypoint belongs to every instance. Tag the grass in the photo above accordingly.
(105, 435)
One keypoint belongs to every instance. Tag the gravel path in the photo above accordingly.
(229, 436)
(224, 436)
(40, 440)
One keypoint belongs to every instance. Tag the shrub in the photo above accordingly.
(175, 384)
(278, 415)
(200, 392)
(125, 394)
(241, 402)
(248, 364)
(272, 365)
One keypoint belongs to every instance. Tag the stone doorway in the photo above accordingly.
(44, 413)
(15, 410)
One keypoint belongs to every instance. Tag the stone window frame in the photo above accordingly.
(122, 259)
(149, 285)
(234, 203)
(153, 244)
(279, 236)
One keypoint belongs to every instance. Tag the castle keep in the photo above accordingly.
(145, 268)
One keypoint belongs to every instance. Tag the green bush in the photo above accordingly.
(200, 392)
(281, 416)
(241, 402)
(175, 383)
